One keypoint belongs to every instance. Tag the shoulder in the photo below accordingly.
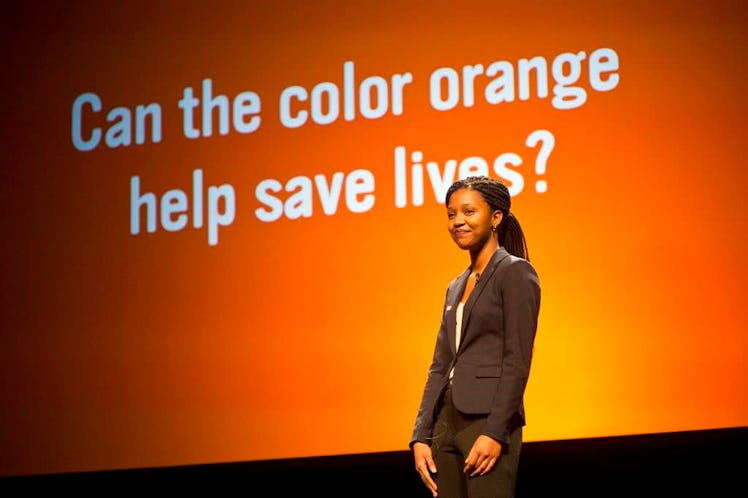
(458, 278)
(506, 261)
(516, 269)
(515, 263)
(455, 280)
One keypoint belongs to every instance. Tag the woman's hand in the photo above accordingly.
(425, 465)
(482, 456)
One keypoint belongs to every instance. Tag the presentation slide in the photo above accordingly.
(225, 238)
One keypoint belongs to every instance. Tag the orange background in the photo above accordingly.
(313, 336)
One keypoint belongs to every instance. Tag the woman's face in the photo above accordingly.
(470, 219)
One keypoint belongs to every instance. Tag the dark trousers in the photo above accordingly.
(454, 434)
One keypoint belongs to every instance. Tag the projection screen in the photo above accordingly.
(225, 239)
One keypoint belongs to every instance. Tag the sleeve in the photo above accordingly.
(520, 291)
(438, 371)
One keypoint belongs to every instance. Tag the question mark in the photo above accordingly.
(548, 142)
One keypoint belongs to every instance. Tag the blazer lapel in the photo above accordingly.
(455, 294)
(487, 274)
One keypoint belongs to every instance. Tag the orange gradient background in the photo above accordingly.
(313, 336)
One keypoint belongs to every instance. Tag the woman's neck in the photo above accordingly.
(479, 260)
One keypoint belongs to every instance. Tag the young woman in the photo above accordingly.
(468, 433)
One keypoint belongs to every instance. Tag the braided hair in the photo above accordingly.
(496, 194)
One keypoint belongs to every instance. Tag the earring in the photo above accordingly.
(493, 228)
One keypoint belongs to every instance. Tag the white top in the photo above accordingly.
(458, 331)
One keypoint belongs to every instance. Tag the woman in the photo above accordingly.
(468, 433)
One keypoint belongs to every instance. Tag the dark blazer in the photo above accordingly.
(492, 365)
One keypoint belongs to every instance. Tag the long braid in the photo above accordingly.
(496, 194)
